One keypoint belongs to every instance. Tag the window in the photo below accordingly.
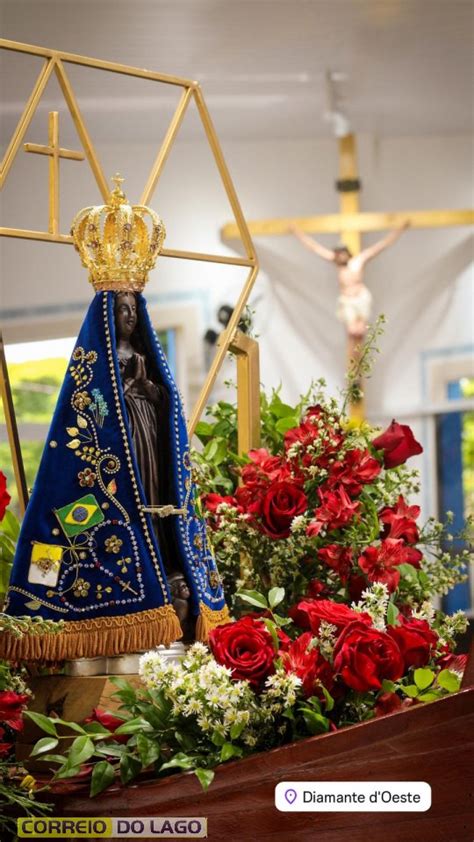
(455, 446)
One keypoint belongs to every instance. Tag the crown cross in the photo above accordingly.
(54, 152)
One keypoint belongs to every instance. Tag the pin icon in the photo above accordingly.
(290, 795)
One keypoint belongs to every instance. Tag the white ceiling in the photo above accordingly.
(262, 63)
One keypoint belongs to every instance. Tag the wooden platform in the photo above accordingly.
(433, 743)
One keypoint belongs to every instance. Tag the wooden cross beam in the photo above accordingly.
(55, 152)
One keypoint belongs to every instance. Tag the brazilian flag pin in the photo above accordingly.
(80, 515)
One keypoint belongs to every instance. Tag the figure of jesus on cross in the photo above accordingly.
(355, 299)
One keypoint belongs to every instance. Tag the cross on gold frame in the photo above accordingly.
(56, 61)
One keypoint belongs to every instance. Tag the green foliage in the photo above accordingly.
(429, 686)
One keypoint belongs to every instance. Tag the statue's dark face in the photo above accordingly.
(125, 314)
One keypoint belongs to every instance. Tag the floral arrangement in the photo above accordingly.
(331, 580)
(17, 787)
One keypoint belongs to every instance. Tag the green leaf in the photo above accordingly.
(73, 726)
(410, 690)
(229, 750)
(275, 596)
(96, 729)
(130, 767)
(205, 777)
(111, 749)
(54, 758)
(408, 572)
(284, 424)
(148, 750)
(388, 686)
(134, 726)
(315, 722)
(328, 697)
(204, 430)
(103, 774)
(253, 598)
(392, 614)
(67, 771)
(217, 739)
(430, 696)
(10, 525)
(45, 744)
(81, 750)
(270, 626)
(179, 761)
(448, 681)
(423, 678)
(236, 730)
(44, 722)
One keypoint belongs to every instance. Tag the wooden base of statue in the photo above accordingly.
(432, 742)
(71, 698)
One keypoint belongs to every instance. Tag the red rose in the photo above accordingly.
(365, 656)
(336, 509)
(246, 647)
(309, 665)
(398, 444)
(275, 468)
(4, 495)
(337, 558)
(309, 613)
(356, 470)
(415, 639)
(109, 721)
(212, 501)
(11, 708)
(399, 521)
(380, 563)
(282, 502)
(316, 588)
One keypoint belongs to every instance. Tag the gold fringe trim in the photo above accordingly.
(208, 620)
(100, 636)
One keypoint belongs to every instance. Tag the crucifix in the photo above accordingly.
(350, 223)
(54, 152)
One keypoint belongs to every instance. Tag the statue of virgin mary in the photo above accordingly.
(111, 532)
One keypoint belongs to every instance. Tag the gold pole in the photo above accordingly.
(223, 346)
(12, 431)
(53, 140)
(248, 391)
(112, 66)
(86, 141)
(166, 146)
(224, 172)
(25, 119)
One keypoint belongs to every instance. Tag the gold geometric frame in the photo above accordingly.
(56, 61)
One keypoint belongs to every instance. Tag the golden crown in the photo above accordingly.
(116, 244)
